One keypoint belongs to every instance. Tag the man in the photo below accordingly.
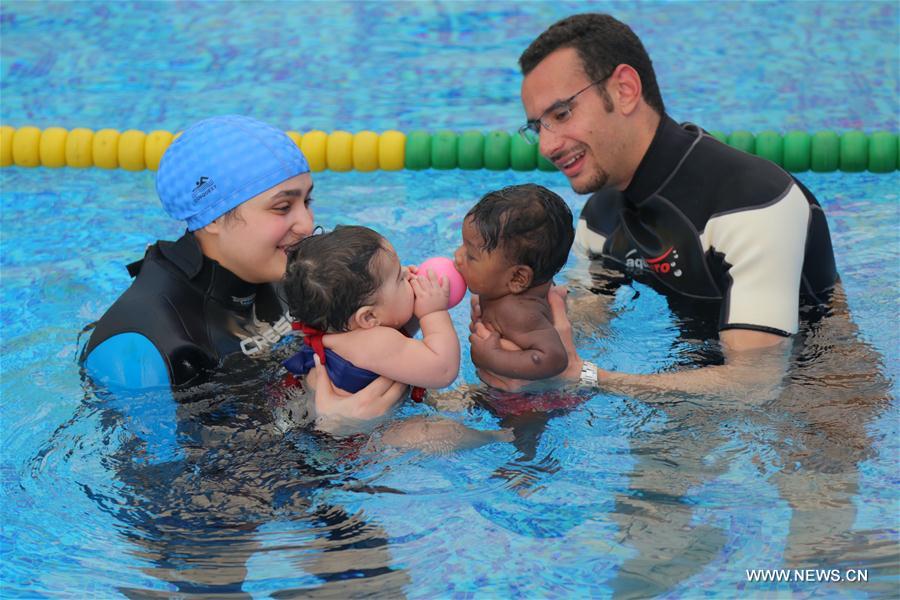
(729, 236)
(738, 247)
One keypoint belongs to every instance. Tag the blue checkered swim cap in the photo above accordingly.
(221, 162)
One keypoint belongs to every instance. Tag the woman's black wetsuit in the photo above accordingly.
(181, 316)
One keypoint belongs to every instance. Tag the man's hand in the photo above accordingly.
(557, 300)
(480, 334)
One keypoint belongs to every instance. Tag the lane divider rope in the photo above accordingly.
(134, 150)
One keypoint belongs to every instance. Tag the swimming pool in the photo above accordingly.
(610, 496)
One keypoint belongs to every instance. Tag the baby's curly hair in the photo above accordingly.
(331, 275)
(530, 224)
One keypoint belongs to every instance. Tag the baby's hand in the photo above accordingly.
(432, 294)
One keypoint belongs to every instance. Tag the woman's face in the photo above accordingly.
(253, 242)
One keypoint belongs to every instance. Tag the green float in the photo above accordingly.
(522, 155)
(443, 150)
(825, 152)
(796, 151)
(543, 164)
(471, 151)
(770, 146)
(854, 151)
(496, 151)
(796, 146)
(883, 152)
(719, 136)
(742, 140)
(418, 151)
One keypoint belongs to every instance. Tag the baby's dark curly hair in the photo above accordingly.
(531, 225)
(331, 275)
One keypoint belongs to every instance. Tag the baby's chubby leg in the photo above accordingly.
(438, 435)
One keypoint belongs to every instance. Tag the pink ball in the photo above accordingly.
(444, 267)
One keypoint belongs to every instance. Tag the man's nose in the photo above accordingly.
(549, 143)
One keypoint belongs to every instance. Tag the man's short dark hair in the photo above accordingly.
(531, 225)
(330, 276)
(602, 43)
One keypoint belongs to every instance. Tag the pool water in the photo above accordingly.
(599, 496)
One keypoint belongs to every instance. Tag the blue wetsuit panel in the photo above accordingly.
(127, 361)
(134, 372)
(344, 374)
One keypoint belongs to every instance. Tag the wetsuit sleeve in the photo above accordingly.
(764, 248)
(598, 219)
(137, 386)
(588, 243)
(127, 361)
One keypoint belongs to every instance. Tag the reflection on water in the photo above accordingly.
(196, 516)
(808, 437)
(229, 491)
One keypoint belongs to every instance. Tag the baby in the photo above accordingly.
(351, 297)
(514, 241)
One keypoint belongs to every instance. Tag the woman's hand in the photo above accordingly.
(432, 293)
(372, 401)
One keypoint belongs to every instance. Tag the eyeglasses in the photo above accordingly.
(556, 115)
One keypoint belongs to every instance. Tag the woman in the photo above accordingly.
(244, 189)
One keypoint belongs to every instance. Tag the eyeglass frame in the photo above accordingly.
(534, 125)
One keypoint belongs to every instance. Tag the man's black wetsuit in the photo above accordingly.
(709, 225)
(181, 316)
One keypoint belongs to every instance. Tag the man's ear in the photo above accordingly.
(627, 87)
(364, 318)
(520, 278)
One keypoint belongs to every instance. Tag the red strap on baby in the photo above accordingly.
(312, 337)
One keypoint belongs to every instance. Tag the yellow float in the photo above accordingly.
(154, 146)
(26, 147)
(339, 152)
(313, 147)
(6, 145)
(53, 147)
(106, 148)
(391, 150)
(131, 150)
(79, 148)
(365, 151)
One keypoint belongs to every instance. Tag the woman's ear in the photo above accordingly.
(520, 279)
(364, 318)
(212, 228)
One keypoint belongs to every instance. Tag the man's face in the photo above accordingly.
(584, 147)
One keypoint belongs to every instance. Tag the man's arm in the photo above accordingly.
(756, 362)
(752, 371)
